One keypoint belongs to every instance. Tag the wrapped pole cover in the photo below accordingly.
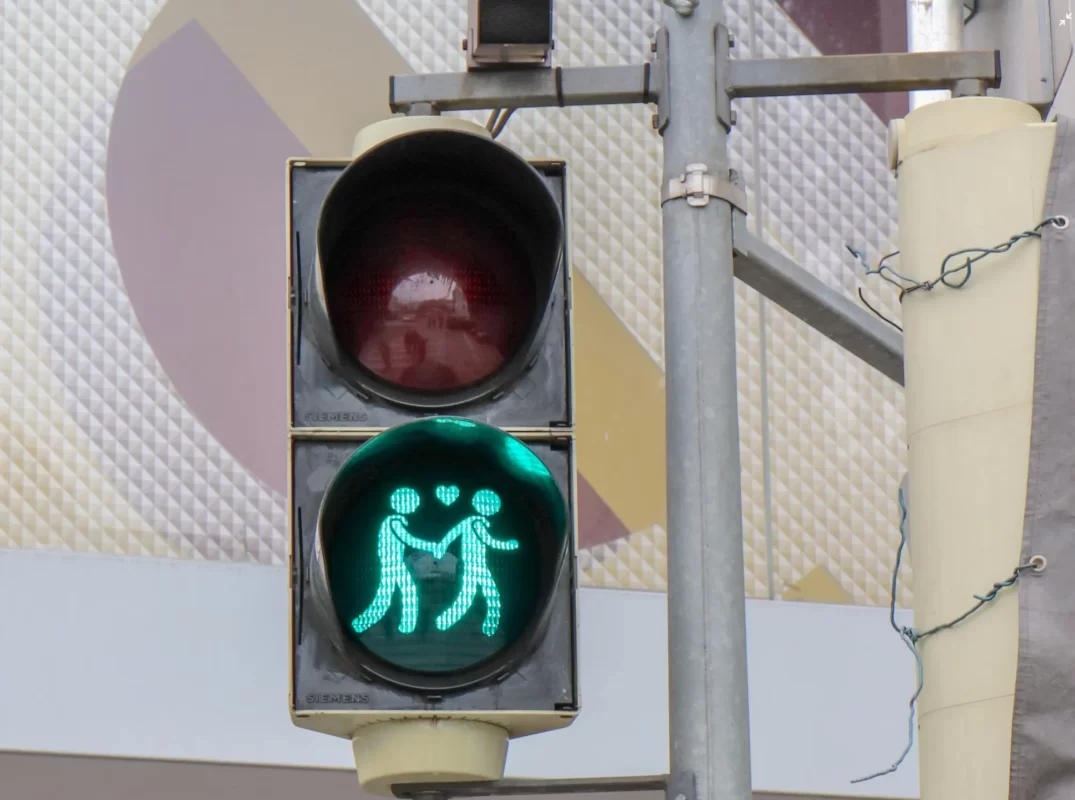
(973, 172)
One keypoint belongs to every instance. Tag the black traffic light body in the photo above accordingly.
(331, 677)
(386, 449)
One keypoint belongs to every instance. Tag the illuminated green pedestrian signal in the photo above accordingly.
(394, 537)
(442, 541)
(473, 532)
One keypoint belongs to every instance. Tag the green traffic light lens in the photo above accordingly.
(442, 540)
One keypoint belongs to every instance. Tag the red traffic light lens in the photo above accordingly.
(432, 296)
(437, 254)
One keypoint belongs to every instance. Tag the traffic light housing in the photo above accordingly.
(431, 451)
(509, 33)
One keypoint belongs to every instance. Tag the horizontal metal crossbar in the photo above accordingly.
(524, 88)
(524, 786)
(837, 316)
(887, 72)
(587, 86)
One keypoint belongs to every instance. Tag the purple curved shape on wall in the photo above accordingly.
(195, 187)
(851, 27)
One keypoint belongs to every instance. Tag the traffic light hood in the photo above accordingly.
(434, 227)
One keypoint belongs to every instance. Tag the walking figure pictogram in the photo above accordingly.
(474, 531)
(391, 541)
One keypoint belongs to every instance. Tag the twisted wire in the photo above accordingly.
(954, 277)
(910, 637)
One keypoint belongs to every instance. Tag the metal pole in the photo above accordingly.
(933, 25)
(707, 668)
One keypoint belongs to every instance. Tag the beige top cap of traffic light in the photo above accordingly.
(379, 132)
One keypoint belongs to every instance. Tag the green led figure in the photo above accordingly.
(391, 541)
(474, 531)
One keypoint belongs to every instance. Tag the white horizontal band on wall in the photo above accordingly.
(181, 660)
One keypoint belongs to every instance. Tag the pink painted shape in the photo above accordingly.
(195, 186)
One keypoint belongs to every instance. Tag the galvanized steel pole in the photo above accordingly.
(933, 25)
(708, 720)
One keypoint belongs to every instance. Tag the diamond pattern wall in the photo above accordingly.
(837, 450)
(169, 488)
(104, 456)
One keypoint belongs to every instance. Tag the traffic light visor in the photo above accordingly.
(442, 541)
(438, 252)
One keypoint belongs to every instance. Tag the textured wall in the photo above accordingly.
(137, 411)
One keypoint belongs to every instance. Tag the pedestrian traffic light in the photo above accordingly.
(431, 451)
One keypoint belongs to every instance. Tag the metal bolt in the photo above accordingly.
(464, 45)
(656, 121)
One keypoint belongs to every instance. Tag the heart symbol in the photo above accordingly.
(447, 494)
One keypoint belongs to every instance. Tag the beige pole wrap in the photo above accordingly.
(972, 172)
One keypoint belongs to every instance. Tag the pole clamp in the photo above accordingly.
(696, 185)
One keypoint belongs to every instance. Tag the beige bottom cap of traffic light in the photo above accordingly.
(428, 751)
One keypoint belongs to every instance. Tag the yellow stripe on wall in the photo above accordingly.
(619, 412)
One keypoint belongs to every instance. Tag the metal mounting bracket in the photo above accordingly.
(661, 78)
(722, 44)
(523, 787)
(423, 110)
(696, 185)
(735, 78)
(680, 786)
(828, 311)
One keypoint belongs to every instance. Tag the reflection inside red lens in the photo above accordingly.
(432, 300)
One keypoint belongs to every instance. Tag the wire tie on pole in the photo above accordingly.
(1036, 565)
(953, 277)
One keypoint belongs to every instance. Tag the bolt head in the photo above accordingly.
(656, 121)
(464, 45)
